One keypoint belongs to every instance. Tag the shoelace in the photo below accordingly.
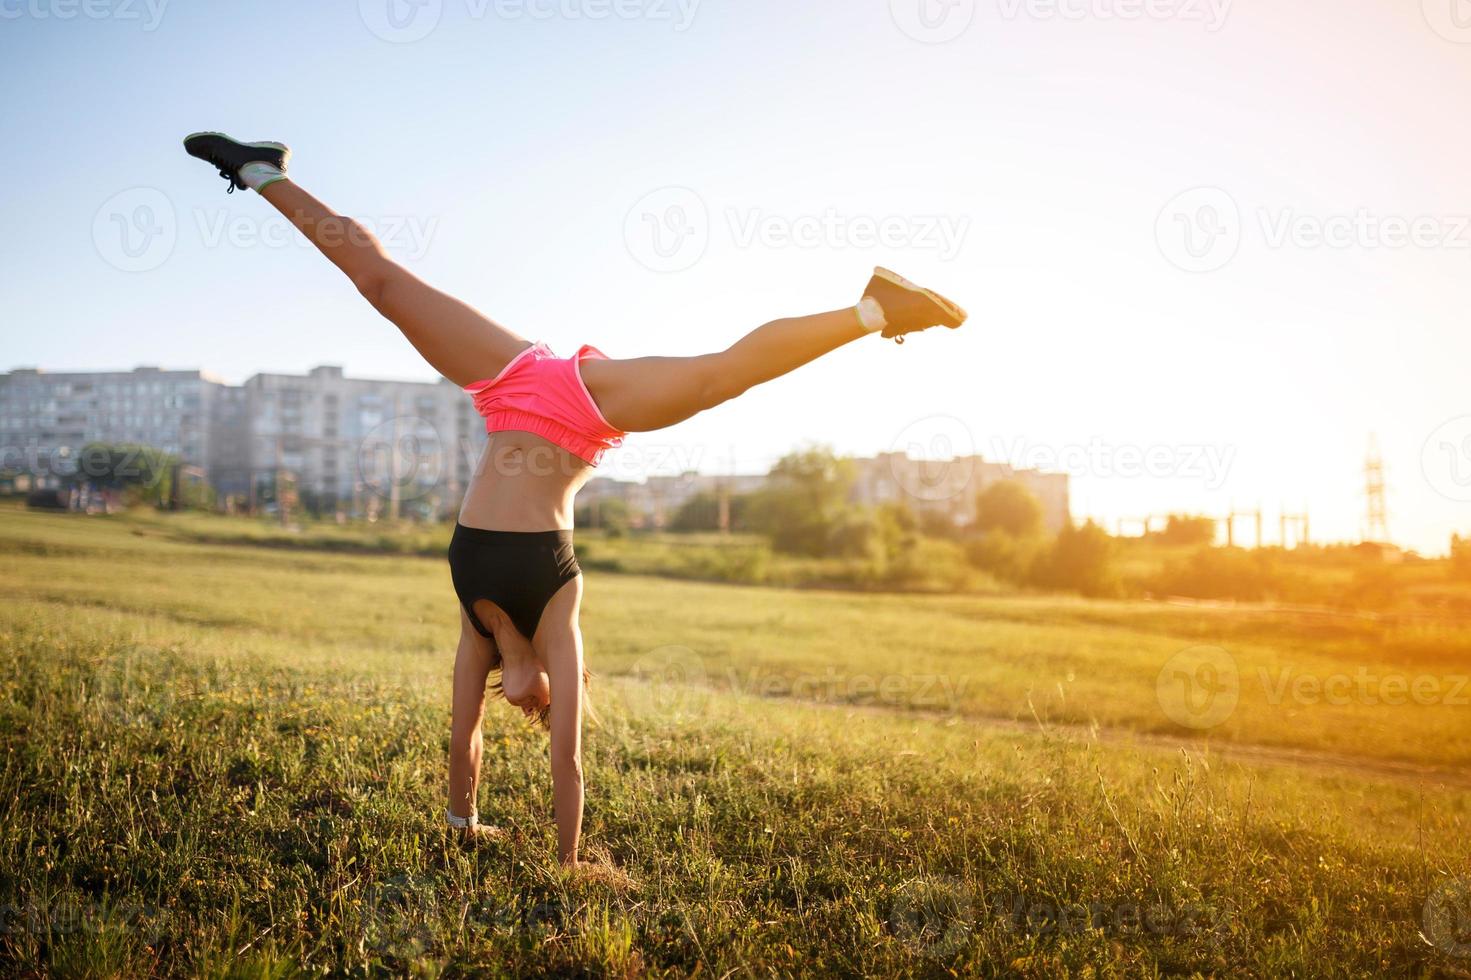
(225, 173)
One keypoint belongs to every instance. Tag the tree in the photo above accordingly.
(1461, 557)
(140, 473)
(610, 515)
(1082, 559)
(1010, 507)
(804, 500)
(702, 512)
(1189, 530)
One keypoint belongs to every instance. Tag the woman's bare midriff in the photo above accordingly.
(523, 483)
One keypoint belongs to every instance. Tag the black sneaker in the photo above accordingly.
(908, 308)
(230, 155)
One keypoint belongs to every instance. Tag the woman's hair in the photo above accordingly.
(495, 688)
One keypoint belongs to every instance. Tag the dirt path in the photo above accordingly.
(1243, 753)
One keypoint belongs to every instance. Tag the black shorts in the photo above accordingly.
(519, 571)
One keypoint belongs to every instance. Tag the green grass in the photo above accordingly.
(222, 759)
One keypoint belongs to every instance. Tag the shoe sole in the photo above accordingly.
(264, 145)
(893, 278)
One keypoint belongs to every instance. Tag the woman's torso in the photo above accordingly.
(523, 482)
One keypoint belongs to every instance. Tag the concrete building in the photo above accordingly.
(354, 443)
(950, 487)
(358, 444)
(45, 419)
(655, 502)
(384, 447)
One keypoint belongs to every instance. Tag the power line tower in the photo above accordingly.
(1377, 525)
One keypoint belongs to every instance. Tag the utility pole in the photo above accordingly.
(1377, 525)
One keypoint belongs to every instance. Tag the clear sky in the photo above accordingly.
(1209, 248)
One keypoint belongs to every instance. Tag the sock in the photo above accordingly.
(871, 315)
(257, 175)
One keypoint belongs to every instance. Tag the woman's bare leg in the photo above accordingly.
(645, 393)
(458, 341)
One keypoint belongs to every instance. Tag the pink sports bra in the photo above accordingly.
(542, 393)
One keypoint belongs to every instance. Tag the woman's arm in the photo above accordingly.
(564, 675)
(472, 665)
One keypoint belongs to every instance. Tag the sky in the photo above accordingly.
(1210, 248)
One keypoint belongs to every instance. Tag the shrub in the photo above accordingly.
(1082, 559)
(1220, 573)
(1009, 507)
(1006, 556)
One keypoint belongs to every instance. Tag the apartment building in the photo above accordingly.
(349, 443)
(950, 487)
(945, 487)
(46, 418)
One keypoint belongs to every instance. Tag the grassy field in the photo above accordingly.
(227, 759)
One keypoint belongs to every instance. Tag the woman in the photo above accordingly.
(550, 421)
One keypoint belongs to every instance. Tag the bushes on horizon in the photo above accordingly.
(1460, 558)
(1008, 557)
(1009, 507)
(1220, 573)
(804, 502)
(1188, 530)
(1082, 560)
(610, 515)
(702, 513)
